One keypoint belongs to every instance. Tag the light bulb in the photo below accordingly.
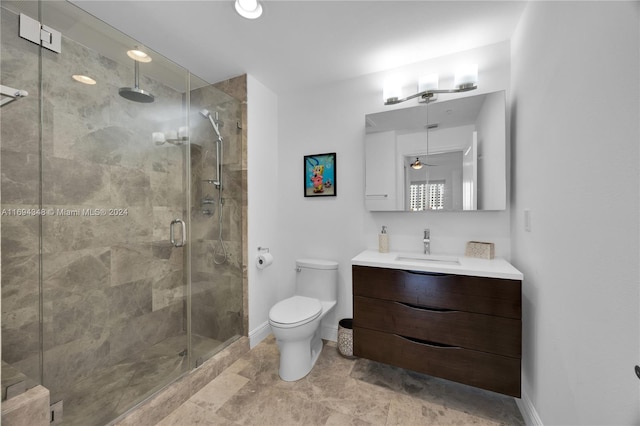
(249, 9)
(392, 89)
(466, 76)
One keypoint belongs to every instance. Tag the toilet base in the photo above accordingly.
(298, 358)
(300, 346)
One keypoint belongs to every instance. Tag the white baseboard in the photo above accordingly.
(259, 333)
(528, 411)
(329, 333)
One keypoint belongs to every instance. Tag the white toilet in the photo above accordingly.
(296, 321)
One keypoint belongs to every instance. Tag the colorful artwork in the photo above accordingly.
(320, 175)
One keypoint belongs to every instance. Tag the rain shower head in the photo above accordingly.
(136, 94)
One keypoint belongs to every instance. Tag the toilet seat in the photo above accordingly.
(294, 311)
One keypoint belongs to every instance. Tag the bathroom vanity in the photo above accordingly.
(457, 318)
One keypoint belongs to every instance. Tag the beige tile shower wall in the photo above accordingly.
(112, 284)
(218, 303)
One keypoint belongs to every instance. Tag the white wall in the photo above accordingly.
(575, 87)
(262, 177)
(491, 149)
(331, 119)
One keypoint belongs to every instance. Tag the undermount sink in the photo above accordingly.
(428, 258)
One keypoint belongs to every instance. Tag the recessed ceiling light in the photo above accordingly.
(83, 79)
(249, 9)
(138, 55)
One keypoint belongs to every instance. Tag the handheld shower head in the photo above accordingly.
(214, 122)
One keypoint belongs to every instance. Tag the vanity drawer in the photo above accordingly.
(491, 296)
(498, 335)
(487, 371)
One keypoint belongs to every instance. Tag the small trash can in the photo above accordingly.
(345, 337)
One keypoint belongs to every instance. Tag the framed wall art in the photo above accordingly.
(320, 175)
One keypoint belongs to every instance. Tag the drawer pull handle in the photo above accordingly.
(427, 343)
(422, 308)
(433, 274)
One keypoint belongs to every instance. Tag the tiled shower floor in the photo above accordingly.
(111, 391)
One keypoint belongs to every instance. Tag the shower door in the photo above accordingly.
(114, 177)
(107, 184)
(19, 152)
(103, 213)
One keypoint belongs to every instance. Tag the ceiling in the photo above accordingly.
(298, 44)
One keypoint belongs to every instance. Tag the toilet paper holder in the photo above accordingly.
(264, 258)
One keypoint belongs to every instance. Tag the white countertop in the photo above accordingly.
(494, 268)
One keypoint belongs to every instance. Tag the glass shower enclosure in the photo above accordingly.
(110, 225)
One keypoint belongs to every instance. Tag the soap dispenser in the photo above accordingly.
(383, 241)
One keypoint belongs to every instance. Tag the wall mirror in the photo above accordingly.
(447, 155)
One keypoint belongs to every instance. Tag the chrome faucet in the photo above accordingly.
(427, 241)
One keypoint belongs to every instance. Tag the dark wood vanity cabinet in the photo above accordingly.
(463, 328)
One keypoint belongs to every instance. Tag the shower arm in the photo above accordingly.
(428, 94)
(136, 74)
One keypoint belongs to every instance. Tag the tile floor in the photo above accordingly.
(338, 391)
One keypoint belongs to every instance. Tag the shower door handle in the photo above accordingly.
(183, 236)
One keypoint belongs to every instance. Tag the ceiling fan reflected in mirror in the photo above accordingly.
(417, 164)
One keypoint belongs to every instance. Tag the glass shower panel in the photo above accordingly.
(113, 179)
(216, 227)
(20, 203)
(100, 185)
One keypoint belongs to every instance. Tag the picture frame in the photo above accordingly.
(320, 177)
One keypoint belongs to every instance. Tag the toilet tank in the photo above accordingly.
(317, 278)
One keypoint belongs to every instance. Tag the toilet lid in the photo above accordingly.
(295, 309)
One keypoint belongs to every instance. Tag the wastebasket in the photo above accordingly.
(345, 337)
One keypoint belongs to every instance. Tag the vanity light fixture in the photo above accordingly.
(465, 79)
(250, 9)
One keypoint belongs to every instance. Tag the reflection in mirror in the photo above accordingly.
(448, 155)
(436, 185)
